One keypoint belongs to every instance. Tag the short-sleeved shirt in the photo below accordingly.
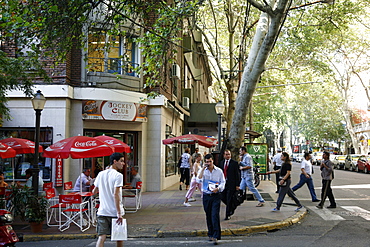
(85, 179)
(307, 166)
(107, 181)
(246, 161)
(285, 167)
(135, 179)
(185, 160)
(277, 159)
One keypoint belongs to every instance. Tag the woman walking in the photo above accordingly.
(194, 184)
(284, 182)
(185, 168)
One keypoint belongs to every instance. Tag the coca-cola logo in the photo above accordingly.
(86, 144)
(110, 142)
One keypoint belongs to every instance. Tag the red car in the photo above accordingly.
(363, 164)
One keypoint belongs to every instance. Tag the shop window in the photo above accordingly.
(112, 54)
(172, 157)
(15, 168)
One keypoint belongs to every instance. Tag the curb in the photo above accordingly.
(194, 233)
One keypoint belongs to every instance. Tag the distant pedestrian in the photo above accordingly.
(194, 183)
(109, 185)
(185, 168)
(247, 175)
(232, 177)
(277, 161)
(285, 181)
(306, 177)
(193, 156)
(213, 181)
(327, 175)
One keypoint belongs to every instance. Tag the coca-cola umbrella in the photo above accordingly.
(6, 151)
(119, 146)
(78, 147)
(192, 139)
(21, 146)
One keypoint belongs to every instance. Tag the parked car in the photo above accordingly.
(339, 161)
(299, 158)
(351, 162)
(363, 164)
(316, 158)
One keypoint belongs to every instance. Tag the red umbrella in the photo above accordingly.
(118, 145)
(21, 146)
(192, 139)
(78, 147)
(6, 151)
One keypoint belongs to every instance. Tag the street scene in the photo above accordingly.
(195, 123)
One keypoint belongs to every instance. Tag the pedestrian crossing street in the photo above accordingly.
(335, 214)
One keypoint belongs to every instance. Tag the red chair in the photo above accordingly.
(78, 213)
(47, 186)
(68, 187)
(134, 194)
(53, 207)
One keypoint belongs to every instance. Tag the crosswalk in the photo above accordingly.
(337, 214)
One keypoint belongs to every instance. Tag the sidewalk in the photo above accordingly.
(164, 215)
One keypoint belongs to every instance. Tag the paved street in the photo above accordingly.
(347, 225)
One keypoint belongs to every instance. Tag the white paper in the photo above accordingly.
(119, 232)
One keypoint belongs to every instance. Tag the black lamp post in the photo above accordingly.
(219, 107)
(38, 103)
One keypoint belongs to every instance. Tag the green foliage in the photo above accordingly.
(27, 205)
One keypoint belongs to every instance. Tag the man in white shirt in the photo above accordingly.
(213, 181)
(277, 162)
(109, 184)
(306, 177)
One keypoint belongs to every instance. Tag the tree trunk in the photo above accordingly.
(267, 32)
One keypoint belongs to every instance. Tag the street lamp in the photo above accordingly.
(38, 103)
(219, 107)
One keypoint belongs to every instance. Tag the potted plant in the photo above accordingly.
(29, 206)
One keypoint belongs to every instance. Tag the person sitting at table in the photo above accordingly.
(86, 181)
(29, 182)
(135, 178)
(2, 182)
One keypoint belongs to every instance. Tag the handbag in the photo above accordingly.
(119, 232)
(284, 184)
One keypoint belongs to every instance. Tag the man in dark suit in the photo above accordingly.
(231, 171)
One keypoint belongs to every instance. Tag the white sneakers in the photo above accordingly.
(186, 204)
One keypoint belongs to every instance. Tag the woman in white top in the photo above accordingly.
(185, 168)
(194, 184)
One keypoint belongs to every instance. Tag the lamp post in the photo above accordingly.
(219, 107)
(38, 103)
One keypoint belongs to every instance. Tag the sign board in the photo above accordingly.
(59, 172)
(113, 110)
(259, 152)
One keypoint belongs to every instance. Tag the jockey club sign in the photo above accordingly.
(113, 110)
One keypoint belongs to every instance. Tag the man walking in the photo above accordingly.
(247, 174)
(213, 181)
(276, 161)
(232, 177)
(327, 175)
(109, 185)
(306, 177)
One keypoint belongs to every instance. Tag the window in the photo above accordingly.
(112, 54)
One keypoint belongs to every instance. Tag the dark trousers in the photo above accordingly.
(211, 205)
(327, 192)
(304, 180)
(185, 175)
(227, 197)
(286, 190)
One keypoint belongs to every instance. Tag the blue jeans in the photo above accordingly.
(211, 205)
(248, 182)
(304, 180)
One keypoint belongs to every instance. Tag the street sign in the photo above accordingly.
(259, 152)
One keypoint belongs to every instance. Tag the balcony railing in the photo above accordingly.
(112, 65)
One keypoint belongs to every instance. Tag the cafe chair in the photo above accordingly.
(47, 186)
(132, 195)
(78, 213)
(68, 187)
(94, 211)
(54, 208)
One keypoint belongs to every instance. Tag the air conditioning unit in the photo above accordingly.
(176, 71)
(186, 103)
